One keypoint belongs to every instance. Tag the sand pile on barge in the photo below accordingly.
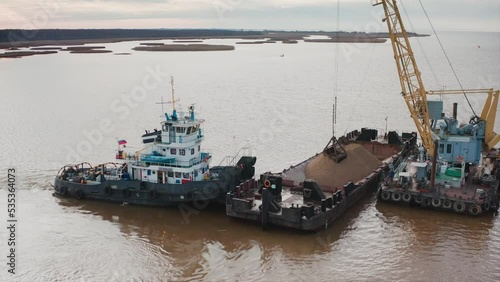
(358, 164)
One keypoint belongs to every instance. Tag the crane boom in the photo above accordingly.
(412, 87)
(413, 91)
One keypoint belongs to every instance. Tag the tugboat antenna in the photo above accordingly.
(173, 97)
(161, 103)
(173, 94)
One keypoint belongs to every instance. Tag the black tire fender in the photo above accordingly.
(475, 209)
(63, 191)
(79, 194)
(396, 196)
(386, 195)
(436, 202)
(406, 197)
(447, 204)
(459, 206)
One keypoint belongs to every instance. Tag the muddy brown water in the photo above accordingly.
(51, 108)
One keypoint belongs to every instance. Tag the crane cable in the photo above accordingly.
(420, 46)
(336, 68)
(446, 55)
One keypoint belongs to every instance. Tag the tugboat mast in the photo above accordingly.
(173, 94)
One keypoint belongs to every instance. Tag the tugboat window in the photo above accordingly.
(180, 129)
(173, 151)
(441, 148)
(178, 175)
(448, 149)
(185, 175)
(182, 152)
(170, 174)
(192, 151)
(199, 148)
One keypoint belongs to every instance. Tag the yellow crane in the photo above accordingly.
(412, 87)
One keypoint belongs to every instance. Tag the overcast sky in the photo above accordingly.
(355, 15)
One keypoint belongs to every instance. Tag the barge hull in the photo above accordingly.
(294, 218)
(311, 195)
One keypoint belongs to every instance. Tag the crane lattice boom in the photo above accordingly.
(412, 87)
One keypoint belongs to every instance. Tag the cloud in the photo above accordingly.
(252, 14)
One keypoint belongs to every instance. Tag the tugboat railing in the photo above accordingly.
(180, 164)
(231, 160)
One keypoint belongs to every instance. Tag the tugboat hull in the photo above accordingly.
(152, 194)
(144, 193)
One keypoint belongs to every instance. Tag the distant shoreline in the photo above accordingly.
(39, 40)
(17, 38)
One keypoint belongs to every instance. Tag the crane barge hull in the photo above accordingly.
(459, 188)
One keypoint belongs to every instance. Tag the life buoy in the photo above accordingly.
(386, 195)
(486, 206)
(79, 194)
(436, 202)
(63, 190)
(126, 193)
(396, 196)
(406, 197)
(153, 194)
(108, 190)
(459, 207)
(419, 199)
(267, 183)
(447, 204)
(475, 209)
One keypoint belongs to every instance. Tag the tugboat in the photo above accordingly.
(311, 195)
(456, 168)
(171, 169)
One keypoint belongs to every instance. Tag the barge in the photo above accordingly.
(311, 195)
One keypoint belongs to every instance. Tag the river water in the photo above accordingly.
(274, 98)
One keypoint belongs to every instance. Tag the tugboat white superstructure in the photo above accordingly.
(170, 169)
